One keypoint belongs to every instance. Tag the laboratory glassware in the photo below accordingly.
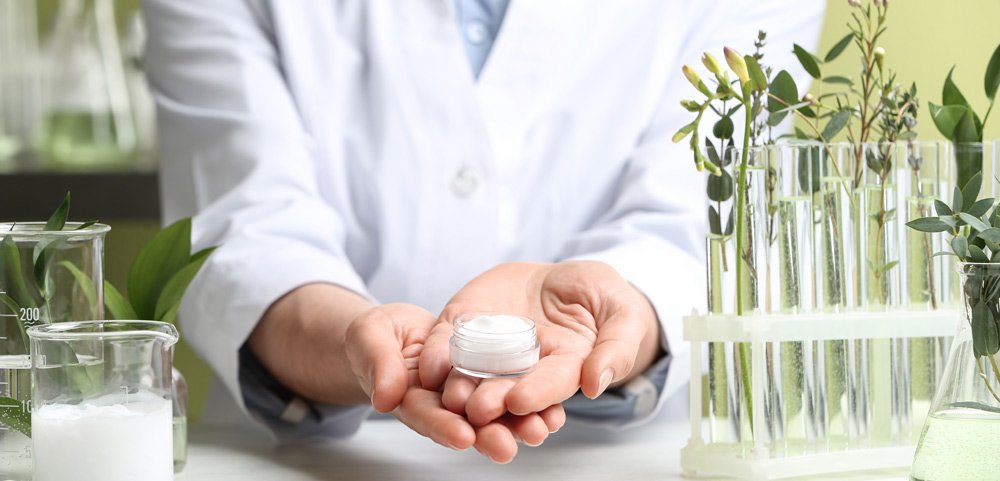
(90, 122)
(45, 277)
(102, 400)
(21, 76)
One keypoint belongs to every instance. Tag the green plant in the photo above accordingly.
(156, 283)
(974, 226)
(958, 121)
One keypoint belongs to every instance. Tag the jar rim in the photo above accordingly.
(35, 228)
(462, 320)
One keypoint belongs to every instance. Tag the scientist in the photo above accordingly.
(371, 169)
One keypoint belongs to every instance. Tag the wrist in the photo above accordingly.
(300, 341)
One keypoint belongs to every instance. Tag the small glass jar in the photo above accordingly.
(493, 345)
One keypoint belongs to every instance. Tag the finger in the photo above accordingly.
(423, 412)
(376, 357)
(614, 352)
(530, 429)
(435, 360)
(496, 442)
(555, 379)
(457, 390)
(554, 417)
(487, 402)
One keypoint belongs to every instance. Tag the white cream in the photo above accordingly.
(494, 345)
(98, 441)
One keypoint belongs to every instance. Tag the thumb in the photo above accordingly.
(619, 337)
(375, 346)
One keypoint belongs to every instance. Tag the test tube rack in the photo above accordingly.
(754, 460)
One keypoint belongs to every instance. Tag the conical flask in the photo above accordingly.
(89, 123)
(961, 436)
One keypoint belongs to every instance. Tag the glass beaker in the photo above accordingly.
(45, 277)
(90, 122)
(102, 400)
(961, 436)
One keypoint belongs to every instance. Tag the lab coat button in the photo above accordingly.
(465, 181)
(476, 32)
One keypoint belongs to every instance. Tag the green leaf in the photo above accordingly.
(173, 292)
(809, 61)
(992, 80)
(946, 118)
(168, 252)
(729, 224)
(991, 235)
(82, 280)
(723, 129)
(984, 330)
(981, 207)
(57, 220)
(956, 200)
(713, 155)
(783, 87)
(13, 280)
(837, 79)
(14, 414)
(944, 253)
(836, 124)
(928, 224)
(720, 187)
(968, 128)
(951, 94)
(714, 221)
(115, 302)
(960, 245)
(974, 222)
(758, 81)
(838, 48)
(970, 192)
(941, 208)
(976, 254)
(86, 224)
(888, 267)
(44, 258)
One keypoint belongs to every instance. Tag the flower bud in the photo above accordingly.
(691, 105)
(695, 80)
(711, 63)
(737, 64)
(808, 98)
(879, 56)
(854, 3)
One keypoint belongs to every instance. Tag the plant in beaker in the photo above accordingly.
(961, 436)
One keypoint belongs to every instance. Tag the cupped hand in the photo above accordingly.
(594, 329)
(383, 345)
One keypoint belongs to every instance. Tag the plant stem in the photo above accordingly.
(741, 194)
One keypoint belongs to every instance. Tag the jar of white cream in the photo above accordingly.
(490, 345)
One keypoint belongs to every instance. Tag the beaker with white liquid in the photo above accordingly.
(102, 401)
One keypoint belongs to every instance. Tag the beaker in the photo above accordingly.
(102, 400)
(89, 123)
(45, 277)
(961, 436)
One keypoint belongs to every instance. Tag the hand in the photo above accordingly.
(330, 345)
(595, 329)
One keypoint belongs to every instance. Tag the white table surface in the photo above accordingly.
(386, 450)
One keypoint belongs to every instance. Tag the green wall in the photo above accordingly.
(925, 38)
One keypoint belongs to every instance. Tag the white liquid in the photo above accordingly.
(103, 441)
(494, 345)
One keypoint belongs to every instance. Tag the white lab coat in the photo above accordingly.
(346, 141)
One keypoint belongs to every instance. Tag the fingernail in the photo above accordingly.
(606, 378)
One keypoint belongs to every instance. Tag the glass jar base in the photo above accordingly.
(491, 375)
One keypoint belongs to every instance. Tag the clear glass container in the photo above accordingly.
(491, 345)
(45, 277)
(102, 401)
(90, 121)
(180, 399)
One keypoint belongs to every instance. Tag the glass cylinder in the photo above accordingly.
(45, 277)
(102, 395)
(961, 436)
